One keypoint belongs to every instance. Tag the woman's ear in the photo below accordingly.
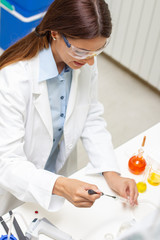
(54, 35)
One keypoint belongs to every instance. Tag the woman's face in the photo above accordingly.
(63, 53)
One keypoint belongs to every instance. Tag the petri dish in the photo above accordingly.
(143, 208)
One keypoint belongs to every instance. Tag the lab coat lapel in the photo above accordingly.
(40, 96)
(73, 93)
(42, 105)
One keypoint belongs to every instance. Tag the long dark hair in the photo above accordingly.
(85, 19)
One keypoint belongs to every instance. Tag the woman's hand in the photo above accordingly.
(76, 191)
(125, 187)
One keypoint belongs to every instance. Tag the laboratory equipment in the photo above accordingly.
(5, 237)
(18, 18)
(10, 228)
(32, 6)
(9, 235)
(121, 199)
(13, 223)
(141, 186)
(108, 236)
(17, 228)
(43, 226)
(144, 208)
(154, 176)
(137, 163)
(125, 226)
(147, 228)
(4, 225)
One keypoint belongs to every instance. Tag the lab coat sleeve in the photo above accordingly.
(95, 137)
(19, 176)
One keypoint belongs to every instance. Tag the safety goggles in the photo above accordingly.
(82, 53)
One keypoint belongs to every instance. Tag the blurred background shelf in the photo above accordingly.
(135, 41)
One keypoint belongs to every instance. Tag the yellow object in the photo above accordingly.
(141, 186)
(154, 179)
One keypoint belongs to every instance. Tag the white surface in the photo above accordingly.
(106, 215)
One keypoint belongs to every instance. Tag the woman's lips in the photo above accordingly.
(78, 64)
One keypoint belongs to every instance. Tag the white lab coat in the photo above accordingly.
(26, 133)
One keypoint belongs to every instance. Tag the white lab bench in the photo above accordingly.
(107, 214)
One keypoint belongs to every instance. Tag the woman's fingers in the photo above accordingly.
(130, 190)
(131, 194)
(84, 204)
(125, 187)
(76, 191)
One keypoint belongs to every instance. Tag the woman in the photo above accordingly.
(48, 100)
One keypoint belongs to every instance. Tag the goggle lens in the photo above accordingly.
(81, 53)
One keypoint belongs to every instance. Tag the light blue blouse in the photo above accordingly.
(58, 92)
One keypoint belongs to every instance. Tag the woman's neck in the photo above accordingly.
(60, 64)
